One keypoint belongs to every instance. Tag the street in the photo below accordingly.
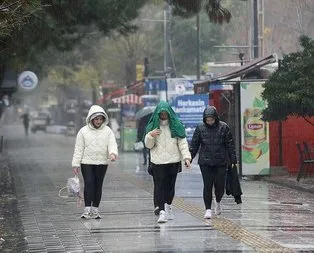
(271, 218)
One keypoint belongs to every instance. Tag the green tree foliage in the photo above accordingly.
(184, 43)
(15, 14)
(183, 36)
(62, 23)
(214, 9)
(290, 89)
(111, 54)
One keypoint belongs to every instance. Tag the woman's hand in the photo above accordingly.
(155, 132)
(187, 163)
(112, 157)
(76, 170)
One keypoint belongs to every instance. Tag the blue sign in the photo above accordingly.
(155, 85)
(189, 109)
(219, 86)
(151, 101)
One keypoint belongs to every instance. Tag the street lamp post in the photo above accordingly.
(198, 67)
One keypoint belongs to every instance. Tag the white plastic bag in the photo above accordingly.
(73, 186)
(138, 146)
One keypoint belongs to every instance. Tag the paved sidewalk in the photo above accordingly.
(272, 218)
(305, 185)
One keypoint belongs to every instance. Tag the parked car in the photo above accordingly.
(39, 122)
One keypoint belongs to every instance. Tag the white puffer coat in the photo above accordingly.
(164, 149)
(93, 146)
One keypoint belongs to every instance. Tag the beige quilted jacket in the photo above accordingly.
(164, 149)
(93, 146)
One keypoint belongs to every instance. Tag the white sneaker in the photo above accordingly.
(95, 213)
(87, 213)
(162, 217)
(156, 210)
(169, 212)
(217, 208)
(208, 214)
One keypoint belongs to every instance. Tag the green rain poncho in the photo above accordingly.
(176, 127)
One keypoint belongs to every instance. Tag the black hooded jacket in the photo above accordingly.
(215, 142)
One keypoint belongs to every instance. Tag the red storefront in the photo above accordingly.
(293, 130)
(282, 139)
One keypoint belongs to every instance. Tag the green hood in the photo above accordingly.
(177, 129)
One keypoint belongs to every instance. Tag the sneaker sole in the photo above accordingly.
(162, 221)
(85, 218)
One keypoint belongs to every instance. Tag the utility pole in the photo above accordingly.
(198, 67)
(255, 29)
(165, 38)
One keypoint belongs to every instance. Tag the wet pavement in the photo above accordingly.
(272, 218)
(305, 184)
(11, 227)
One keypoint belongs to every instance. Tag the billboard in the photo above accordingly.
(179, 87)
(154, 85)
(254, 131)
(189, 109)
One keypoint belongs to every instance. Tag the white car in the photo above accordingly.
(39, 122)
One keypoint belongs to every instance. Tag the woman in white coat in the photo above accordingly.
(95, 145)
(166, 139)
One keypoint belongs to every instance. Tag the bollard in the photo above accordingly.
(1, 144)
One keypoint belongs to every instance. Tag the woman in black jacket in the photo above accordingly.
(217, 149)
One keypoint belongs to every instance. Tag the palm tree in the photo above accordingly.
(186, 8)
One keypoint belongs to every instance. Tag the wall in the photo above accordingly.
(293, 130)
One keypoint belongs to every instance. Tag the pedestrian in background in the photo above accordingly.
(95, 144)
(146, 154)
(141, 135)
(25, 118)
(166, 139)
(215, 143)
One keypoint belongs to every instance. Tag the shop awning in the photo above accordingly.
(115, 93)
(202, 86)
(127, 99)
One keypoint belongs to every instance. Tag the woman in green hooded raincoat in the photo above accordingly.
(166, 139)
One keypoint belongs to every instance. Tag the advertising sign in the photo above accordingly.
(27, 80)
(189, 109)
(139, 72)
(129, 138)
(254, 131)
(154, 85)
(178, 87)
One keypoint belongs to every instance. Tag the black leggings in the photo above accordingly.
(155, 191)
(93, 176)
(165, 176)
(213, 176)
